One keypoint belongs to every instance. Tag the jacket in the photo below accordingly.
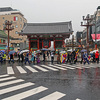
(97, 55)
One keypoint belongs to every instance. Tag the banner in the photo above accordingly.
(97, 37)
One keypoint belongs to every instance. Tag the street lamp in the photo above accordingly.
(8, 26)
(87, 25)
(95, 28)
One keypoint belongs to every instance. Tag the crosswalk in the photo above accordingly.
(12, 88)
(46, 68)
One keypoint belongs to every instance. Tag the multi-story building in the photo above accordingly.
(18, 21)
(78, 36)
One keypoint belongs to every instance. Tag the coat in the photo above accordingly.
(97, 55)
(32, 58)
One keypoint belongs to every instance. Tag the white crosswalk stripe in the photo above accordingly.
(5, 79)
(10, 70)
(58, 67)
(11, 82)
(66, 67)
(21, 70)
(44, 70)
(50, 68)
(54, 96)
(13, 88)
(31, 69)
(19, 84)
(4, 76)
(26, 93)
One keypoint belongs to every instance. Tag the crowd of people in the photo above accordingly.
(67, 57)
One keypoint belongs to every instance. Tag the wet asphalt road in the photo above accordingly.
(78, 83)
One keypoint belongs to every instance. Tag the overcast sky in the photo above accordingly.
(54, 10)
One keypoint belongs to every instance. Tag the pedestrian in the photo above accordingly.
(1, 59)
(18, 54)
(85, 57)
(11, 58)
(52, 57)
(48, 54)
(22, 57)
(4, 57)
(27, 58)
(75, 58)
(58, 58)
(44, 56)
(97, 56)
(38, 59)
(68, 59)
(32, 57)
(82, 57)
(64, 57)
(93, 57)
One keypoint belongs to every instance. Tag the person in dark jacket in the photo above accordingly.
(11, 58)
(97, 56)
(22, 56)
(93, 57)
(85, 57)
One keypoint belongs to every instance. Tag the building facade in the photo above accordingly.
(40, 35)
(3, 40)
(18, 21)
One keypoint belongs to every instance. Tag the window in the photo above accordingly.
(15, 18)
(20, 25)
(3, 41)
(16, 26)
(3, 18)
(20, 19)
(16, 32)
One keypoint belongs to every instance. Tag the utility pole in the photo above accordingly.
(8, 26)
(72, 42)
(87, 25)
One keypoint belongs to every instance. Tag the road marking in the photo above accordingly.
(50, 68)
(21, 70)
(10, 82)
(1, 76)
(31, 69)
(13, 88)
(45, 70)
(54, 96)
(10, 70)
(66, 67)
(78, 99)
(26, 93)
(8, 78)
(58, 67)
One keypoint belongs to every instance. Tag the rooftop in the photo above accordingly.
(47, 28)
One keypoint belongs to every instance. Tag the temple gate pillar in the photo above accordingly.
(29, 44)
(38, 44)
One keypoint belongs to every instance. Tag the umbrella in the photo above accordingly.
(83, 50)
(2, 51)
(38, 51)
(11, 52)
(63, 52)
(94, 51)
(23, 51)
(44, 49)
